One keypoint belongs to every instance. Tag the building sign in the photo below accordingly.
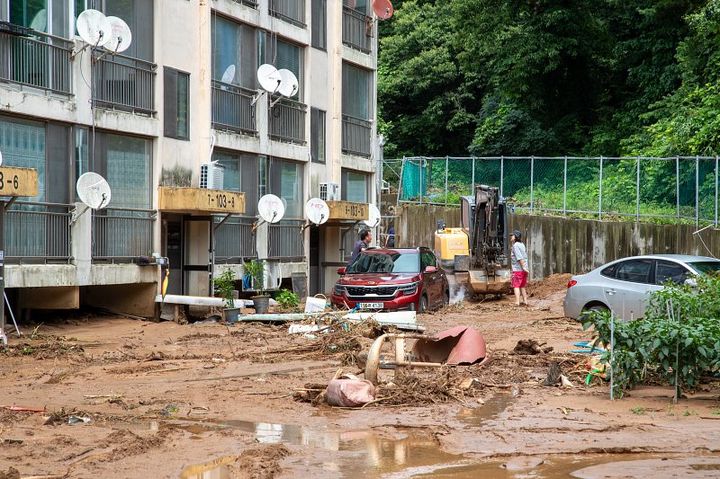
(18, 181)
(200, 200)
(347, 210)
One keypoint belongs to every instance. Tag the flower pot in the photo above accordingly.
(261, 304)
(230, 315)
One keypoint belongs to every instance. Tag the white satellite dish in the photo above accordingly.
(39, 21)
(271, 208)
(228, 75)
(93, 27)
(269, 78)
(93, 190)
(288, 83)
(120, 36)
(374, 216)
(317, 211)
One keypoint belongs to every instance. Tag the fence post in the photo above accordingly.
(600, 190)
(532, 183)
(565, 187)
(677, 186)
(637, 191)
(697, 190)
(716, 191)
(472, 190)
(447, 159)
(502, 175)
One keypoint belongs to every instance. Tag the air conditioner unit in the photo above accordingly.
(211, 176)
(330, 191)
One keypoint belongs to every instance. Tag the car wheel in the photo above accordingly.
(423, 304)
(592, 309)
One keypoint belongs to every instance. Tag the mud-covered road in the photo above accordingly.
(122, 398)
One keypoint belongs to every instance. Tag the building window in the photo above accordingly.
(176, 113)
(356, 92)
(234, 48)
(282, 54)
(286, 181)
(317, 135)
(319, 24)
(126, 163)
(354, 186)
(24, 143)
(241, 171)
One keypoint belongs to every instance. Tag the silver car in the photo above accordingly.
(623, 286)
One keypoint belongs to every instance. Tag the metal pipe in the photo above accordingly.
(637, 191)
(472, 189)
(716, 191)
(502, 175)
(697, 190)
(532, 182)
(565, 187)
(677, 185)
(447, 160)
(600, 190)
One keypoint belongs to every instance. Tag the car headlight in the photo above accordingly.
(408, 289)
(339, 290)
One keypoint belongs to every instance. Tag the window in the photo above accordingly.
(636, 270)
(282, 54)
(706, 266)
(609, 271)
(356, 92)
(357, 5)
(126, 163)
(176, 112)
(241, 174)
(375, 262)
(24, 144)
(668, 271)
(319, 24)
(317, 135)
(138, 14)
(234, 45)
(428, 259)
(354, 186)
(286, 181)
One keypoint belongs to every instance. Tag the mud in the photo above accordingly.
(208, 400)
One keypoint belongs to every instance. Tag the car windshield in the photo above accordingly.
(392, 262)
(705, 266)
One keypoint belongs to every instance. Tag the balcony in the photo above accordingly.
(285, 241)
(356, 136)
(122, 234)
(232, 108)
(356, 30)
(37, 233)
(287, 121)
(40, 61)
(124, 83)
(234, 241)
(291, 11)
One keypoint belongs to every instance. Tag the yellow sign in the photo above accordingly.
(200, 200)
(347, 210)
(18, 181)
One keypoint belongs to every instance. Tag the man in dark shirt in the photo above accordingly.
(361, 244)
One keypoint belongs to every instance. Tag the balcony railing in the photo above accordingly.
(234, 241)
(232, 108)
(122, 234)
(287, 121)
(37, 233)
(357, 29)
(41, 61)
(285, 240)
(356, 136)
(292, 11)
(124, 83)
(249, 3)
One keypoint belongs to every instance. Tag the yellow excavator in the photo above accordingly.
(478, 251)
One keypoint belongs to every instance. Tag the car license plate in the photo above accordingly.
(371, 305)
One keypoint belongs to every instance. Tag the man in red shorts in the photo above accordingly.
(519, 263)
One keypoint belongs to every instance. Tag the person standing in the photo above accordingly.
(361, 244)
(520, 271)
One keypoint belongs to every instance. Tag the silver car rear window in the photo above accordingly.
(705, 266)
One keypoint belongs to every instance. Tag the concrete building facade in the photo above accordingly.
(184, 94)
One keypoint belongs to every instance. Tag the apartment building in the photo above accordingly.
(185, 93)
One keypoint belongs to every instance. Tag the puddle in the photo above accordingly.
(490, 410)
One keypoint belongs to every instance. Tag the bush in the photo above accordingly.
(287, 299)
(677, 342)
(224, 286)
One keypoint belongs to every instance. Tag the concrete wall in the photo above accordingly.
(559, 245)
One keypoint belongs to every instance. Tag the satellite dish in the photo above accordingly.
(317, 211)
(39, 22)
(93, 190)
(374, 217)
(228, 75)
(288, 83)
(271, 208)
(93, 27)
(120, 36)
(269, 78)
(383, 9)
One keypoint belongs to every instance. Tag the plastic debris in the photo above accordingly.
(72, 420)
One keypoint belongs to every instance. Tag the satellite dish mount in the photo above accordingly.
(94, 191)
(271, 209)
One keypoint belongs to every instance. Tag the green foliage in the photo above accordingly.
(256, 270)
(287, 299)
(224, 285)
(679, 337)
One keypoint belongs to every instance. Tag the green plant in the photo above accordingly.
(256, 270)
(639, 410)
(224, 285)
(287, 299)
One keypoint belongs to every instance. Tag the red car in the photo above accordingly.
(392, 279)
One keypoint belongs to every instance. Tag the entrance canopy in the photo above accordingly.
(200, 201)
(348, 212)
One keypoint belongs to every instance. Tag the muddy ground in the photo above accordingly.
(117, 397)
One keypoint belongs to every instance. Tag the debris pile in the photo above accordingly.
(531, 347)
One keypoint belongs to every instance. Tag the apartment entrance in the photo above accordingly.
(186, 243)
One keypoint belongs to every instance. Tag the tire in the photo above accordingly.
(592, 309)
(422, 304)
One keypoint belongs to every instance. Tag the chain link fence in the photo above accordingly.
(670, 190)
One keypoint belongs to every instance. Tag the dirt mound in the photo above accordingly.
(530, 346)
(506, 369)
(52, 349)
(11, 473)
(259, 463)
(555, 283)
(125, 444)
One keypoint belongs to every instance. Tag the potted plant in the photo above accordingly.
(256, 270)
(225, 288)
